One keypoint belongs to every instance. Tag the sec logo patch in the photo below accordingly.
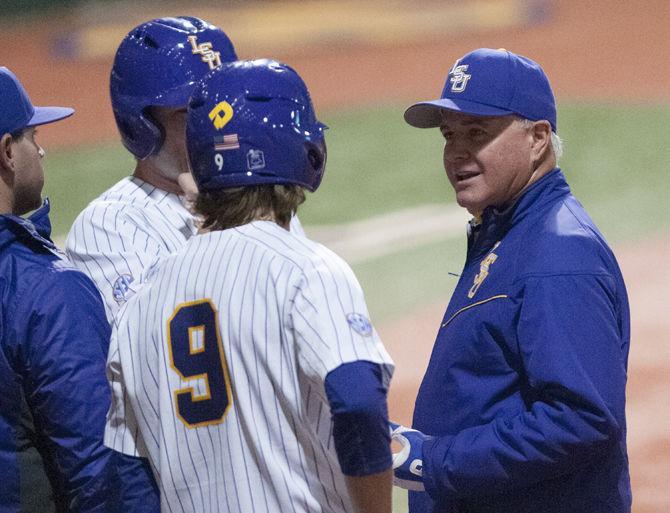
(360, 324)
(122, 288)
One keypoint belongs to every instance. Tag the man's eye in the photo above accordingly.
(477, 132)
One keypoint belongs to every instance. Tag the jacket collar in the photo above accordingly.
(37, 227)
(496, 223)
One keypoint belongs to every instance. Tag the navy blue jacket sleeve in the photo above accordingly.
(65, 346)
(136, 489)
(569, 338)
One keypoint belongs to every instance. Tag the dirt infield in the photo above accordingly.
(610, 51)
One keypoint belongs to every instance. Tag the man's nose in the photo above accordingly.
(456, 150)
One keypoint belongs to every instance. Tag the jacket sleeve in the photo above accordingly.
(573, 378)
(136, 489)
(65, 345)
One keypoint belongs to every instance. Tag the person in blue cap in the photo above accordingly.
(54, 338)
(522, 407)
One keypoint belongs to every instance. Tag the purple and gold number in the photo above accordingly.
(196, 353)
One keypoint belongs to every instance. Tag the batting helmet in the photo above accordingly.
(253, 123)
(158, 64)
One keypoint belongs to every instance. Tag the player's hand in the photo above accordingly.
(408, 463)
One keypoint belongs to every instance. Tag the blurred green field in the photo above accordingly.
(616, 160)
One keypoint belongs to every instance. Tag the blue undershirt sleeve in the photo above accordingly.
(357, 397)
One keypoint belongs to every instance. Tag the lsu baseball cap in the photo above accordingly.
(16, 109)
(488, 82)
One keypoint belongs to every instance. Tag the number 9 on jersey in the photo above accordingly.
(196, 353)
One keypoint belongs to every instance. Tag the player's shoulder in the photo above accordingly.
(126, 203)
(296, 248)
(127, 190)
(124, 194)
(314, 265)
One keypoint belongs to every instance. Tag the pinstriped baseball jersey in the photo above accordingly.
(217, 368)
(122, 232)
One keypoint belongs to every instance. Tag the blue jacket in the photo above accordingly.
(53, 345)
(525, 389)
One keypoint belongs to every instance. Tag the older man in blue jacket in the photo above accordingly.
(53, 343)
(521, 409)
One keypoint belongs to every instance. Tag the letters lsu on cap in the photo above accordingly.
(17, 111)
(488, 82)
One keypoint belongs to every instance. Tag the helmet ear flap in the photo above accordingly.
(316, 156)
(316, 163)
(154, 131)
(142, 136)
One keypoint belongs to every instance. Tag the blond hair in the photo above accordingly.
(227, 208)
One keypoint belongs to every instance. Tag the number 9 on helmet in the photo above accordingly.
(253, 123)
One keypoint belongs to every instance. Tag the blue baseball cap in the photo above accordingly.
(17, 111)
(489, 82)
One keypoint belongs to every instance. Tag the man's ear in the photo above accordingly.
(541, 144)
(6, 153)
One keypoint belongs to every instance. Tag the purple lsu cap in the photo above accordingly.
(17, 111)
(489, 82)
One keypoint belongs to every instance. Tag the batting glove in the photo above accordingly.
(408, 463)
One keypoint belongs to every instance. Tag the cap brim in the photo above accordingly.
(427, 114)
(44, 115)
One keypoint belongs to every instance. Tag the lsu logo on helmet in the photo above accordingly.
(207, 54)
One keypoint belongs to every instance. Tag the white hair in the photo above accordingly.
(556, 142)
(556, 145)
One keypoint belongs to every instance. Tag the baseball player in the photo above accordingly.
(246, 368)
(53, 345)
(522, 407)
(145, 216)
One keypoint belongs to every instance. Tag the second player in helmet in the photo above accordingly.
(276, 324)
(145, 216)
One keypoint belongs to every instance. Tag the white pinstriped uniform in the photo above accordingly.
(122, 232)
(284, 306)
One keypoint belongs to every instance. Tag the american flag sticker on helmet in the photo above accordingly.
(228, 142)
